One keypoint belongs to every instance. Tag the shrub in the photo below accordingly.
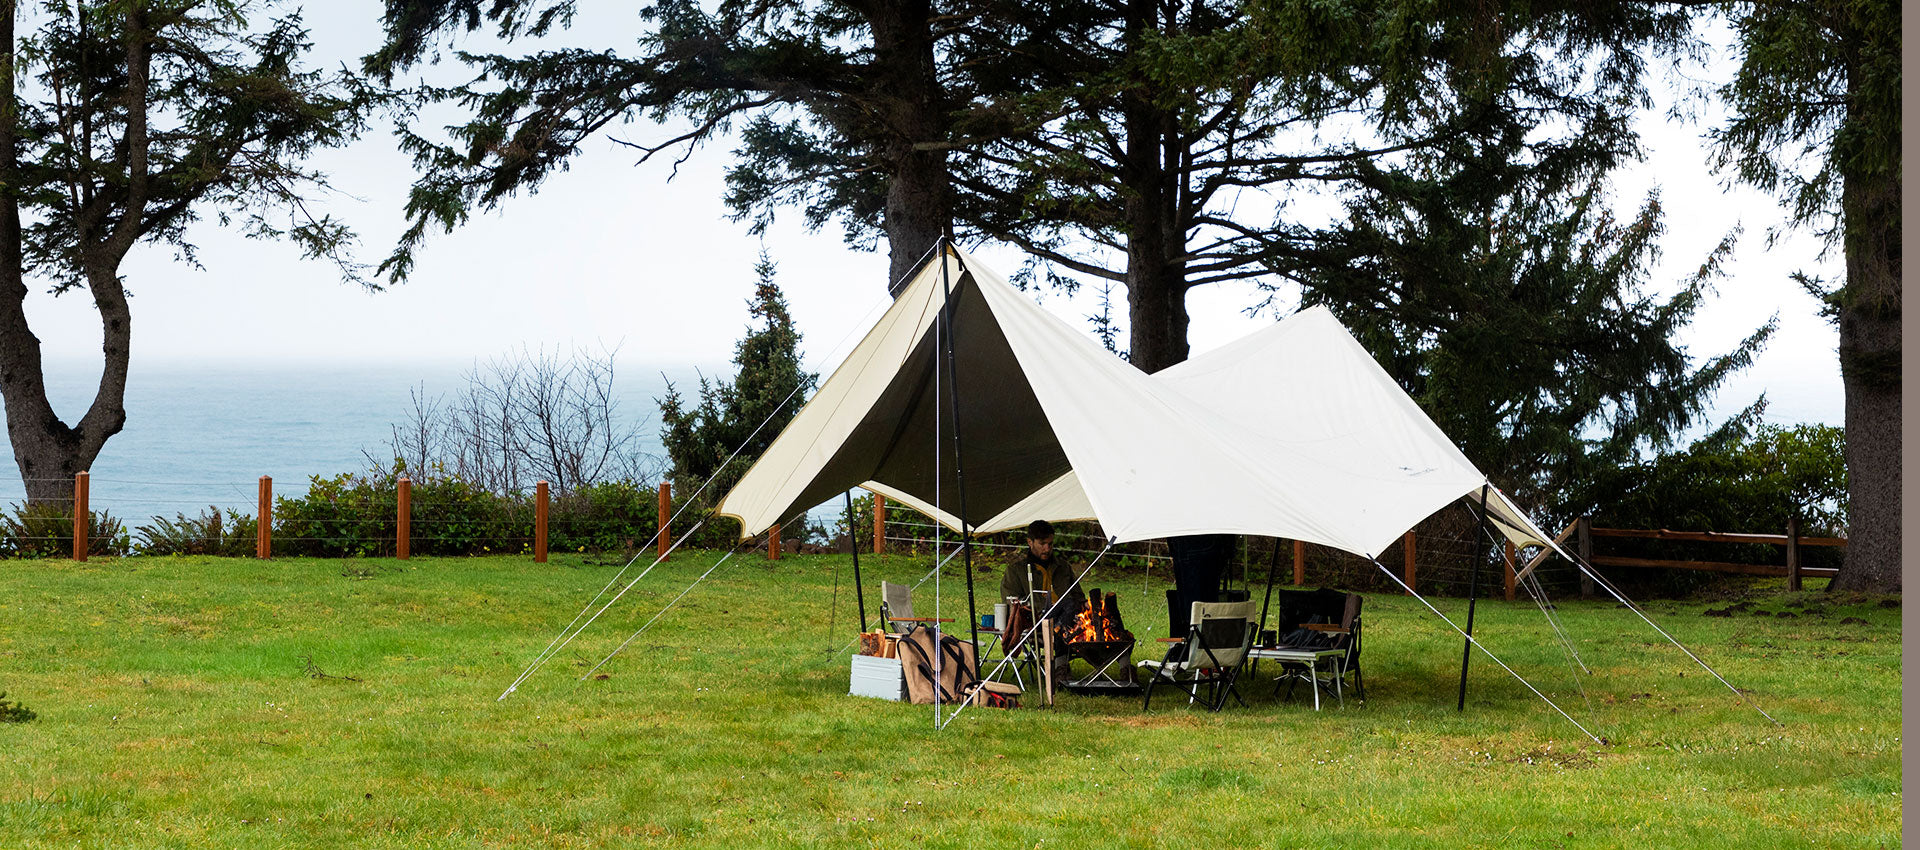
(46, 531)
(356, 515)
(1735, 480)
(231, 534)
(346, 515)
(605, 517)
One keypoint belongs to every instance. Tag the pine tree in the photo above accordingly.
(121, 124)
(1515, 311)
(1816, 119)
(721, 434)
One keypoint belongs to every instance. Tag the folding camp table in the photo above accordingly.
(996, 639)
(1303, 664)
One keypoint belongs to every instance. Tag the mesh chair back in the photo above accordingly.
(899, 599)
(1352, 611)
(1350, 620)
(1219, 634)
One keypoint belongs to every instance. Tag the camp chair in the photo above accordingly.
(898, 599)
(1216, 645)
(1019, 646)
(958, 675)
(1177, 621)
(1325, 619)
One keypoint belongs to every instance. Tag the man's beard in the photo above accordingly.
(1046, 559)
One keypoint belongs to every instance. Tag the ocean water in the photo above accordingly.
(201, 435)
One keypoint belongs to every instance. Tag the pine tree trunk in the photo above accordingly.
(1870, 370)
(1156, 305)
(1156, 275)
(46, 450)
(918, 202)
(43, 446)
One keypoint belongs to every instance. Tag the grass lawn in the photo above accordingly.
(178, 707)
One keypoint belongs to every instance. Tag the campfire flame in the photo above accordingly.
(1098, 621)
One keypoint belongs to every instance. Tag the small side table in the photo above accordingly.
(1311, 659)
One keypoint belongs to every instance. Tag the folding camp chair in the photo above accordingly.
(1177, 616)
(1322, 619)
(898, 600)
(1215, 647)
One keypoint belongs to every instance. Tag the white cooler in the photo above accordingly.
(877, 677)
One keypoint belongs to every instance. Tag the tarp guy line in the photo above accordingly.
(1483, 648)
(1007, 655)
(596, 615)
(545, 653)
(1538, 594)
(1609, 587)
(657, 615)
(683, 593)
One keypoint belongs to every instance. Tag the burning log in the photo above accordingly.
(1099, 636)
(1099, 621)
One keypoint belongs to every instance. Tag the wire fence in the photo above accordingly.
(339, 517)
(1450, 554)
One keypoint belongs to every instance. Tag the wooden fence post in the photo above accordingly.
(403, 535)
(1510, 570)
(1792, 551)
(773, 543)
(263, 541)
(1409, 550)
(540, 522)
(879, 524)
(666, 513)
(82, 518)
(1583, 540)
(1299, 563)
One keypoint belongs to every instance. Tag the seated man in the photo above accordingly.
(1035, 568)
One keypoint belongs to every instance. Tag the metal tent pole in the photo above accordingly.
(1473, 599)
(959, 463)
(853, 543)
(1271, 565)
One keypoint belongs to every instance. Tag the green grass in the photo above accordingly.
(176, 709)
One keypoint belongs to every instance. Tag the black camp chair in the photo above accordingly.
(1215, 649)
(1321, 619)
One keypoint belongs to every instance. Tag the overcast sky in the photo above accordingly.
(611, 253)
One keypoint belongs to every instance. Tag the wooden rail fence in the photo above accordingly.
(1793, 569)
(1581, 530)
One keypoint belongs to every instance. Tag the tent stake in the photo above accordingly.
(1473, 599)
(853, 545)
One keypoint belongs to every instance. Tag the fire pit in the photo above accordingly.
(1099, 636)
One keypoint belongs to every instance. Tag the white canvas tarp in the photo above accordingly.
(1292, 432)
